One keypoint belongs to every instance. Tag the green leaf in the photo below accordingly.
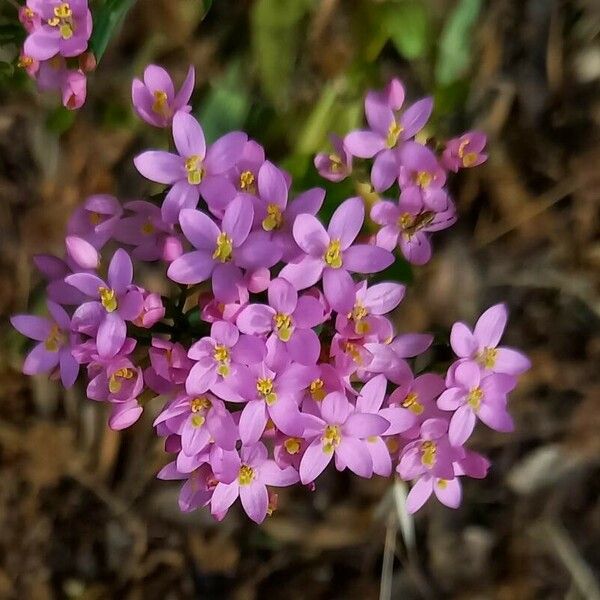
(226, 106)
(276, 35)
(60, 120)
(107, 22)
(408, 27)
(455, 49)
(11, 32)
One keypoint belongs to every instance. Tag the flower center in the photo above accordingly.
(95, 218)
(198, 420)
(161, 104)
(221, 355)
(335, 163)
(247, 182)
(292, 445)
(25, 61)
(358, 315)
(352, 350)
(63, 19)
(193, 167)
(428, 453)
(147, 228)
(410, 224)
(283, 325)
(317, 390)
(442, 483)
(55, 339)
(274, 218)
(246, 475)
(115, 382)
(224, 248)
(474, 398)
(423, 179)
(264, 386)
(487, 357)
(412, 403)
(394, 132)
(108, 298)
(199, 404)
(333, 254)
(331, 438)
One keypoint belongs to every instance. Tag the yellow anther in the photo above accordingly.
(95, 218)
(53, 22)
(292, 445)
(469, 159)
(274, 218)
(63, 11)
(248, 182)
(29, 14)
(392, 444)
(264, 386)
(358, 314)
(199, 404)
(394, 132)
(474, 398)
(442, 483)
(25, 61)
(283, 325)
(66, 31)
(333, 254)
(115, 381)
(193, 167)
(147, 228)
(335, 163)
(331, 438)
(352, 350)
(246, 475)
(462, 148)
(428, 453)
(487, 357)
(221, 353)
(108, 298)
(406, 221)
(412, 403)
(317, 390)
(161, 105)
(198, 420)
(54, 340)
(224, 248)
(423, 179)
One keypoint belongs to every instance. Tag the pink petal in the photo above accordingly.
(364, 258)
(372, 395)
(379, 115)
(225, 152)
(120, 271)
(304, 346)
(253, 421)
(338, 288)
(158, 80)
(463, 342)
(511, 362)
(256, 319)
(461, 425)
(40, 360)
(185, 92)
(199, 229)
(415, 117)
(380, 456)
(160, 166)
(468, 375)
(363, 425)
(181, 196)
(36, 328)
(400, 419)
(272, 186)
(308, 313)
(310, 235)
(496, 417)
(193, 267)
(249, 350)
(237, 220)
(124, 415)
(335, 408)
(449, 492)
(419, 494)
(257, 252)
(282, 295)
(200, 379)
(188, 135)
(223, 497)
(314, 461)
(346, 222)
(382, 298)
(490, 326)
(86, 282)
(303, 274)
(364, 144)
(356, 456)
(451, 399)
(111, 335)
(271, 474)
(385, 170)
(255, 500)
(411, 344)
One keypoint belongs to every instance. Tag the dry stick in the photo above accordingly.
(387, 568)
(566, 551)
(543, 203)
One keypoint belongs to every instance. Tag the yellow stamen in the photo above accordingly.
(428, 453)
(358, 315)
(25, 61)
(394, 132)
(264, 386)
(335, 163)
(274, 218)
(352, 350)
(442, 484)
(66, 31)
(317, 390)
(63, 11)
(199, 404)
(161, 105)
(474, 398)
(221, 355)
(193, 167)
(198, 420)
(54, 340)
(283, 325)
(224, 248)
(246, 475)
(487, 357)
(331, 438)
(412, 403)
(423, 179)
(108, 298)
(115, 381)
(53, 22)
(148, 228)
(392, 444)
(95, 218)
(469, 159)
(292, 445)
(247, 182)
(333, 254)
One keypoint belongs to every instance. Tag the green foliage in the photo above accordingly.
(408, 26)
(107, 22)
(60, 120)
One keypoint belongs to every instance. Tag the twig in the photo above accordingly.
(387, 568)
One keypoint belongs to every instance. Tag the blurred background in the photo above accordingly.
(81, 514)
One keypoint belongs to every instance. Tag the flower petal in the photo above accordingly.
(255, 500)
(188, 135)
(364, 258)
(193, 267)
(160, 166)
(314, 461)
(310, 235)
(346, 222)
(490, 326)
(355, 455)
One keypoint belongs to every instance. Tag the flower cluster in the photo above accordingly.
(278, 355)
(54, 53)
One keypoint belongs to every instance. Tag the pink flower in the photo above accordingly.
(152, 311)
(337, 165)
(198, 488)
(54, 347)
(331, 255)
(191, 169)
(154, 99)
(96, 220)
(475, 396)
(246, 477)
(289, 319)
(74, 89)
(465, 151)
(341, 432)
(481, 345)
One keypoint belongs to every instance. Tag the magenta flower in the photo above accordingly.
(340, 432)
(289, 318)
(170, 365)
(54, 347)
(198, 488)
(153, 311)
(189, 170)
(465, 151)
(96, 220)
(74, 89)
(408, 224)
(29, 18)
(246, 477)
(331, 255)
(270, 394)
(219, 356)
(116, 303)
(474, 396)
(64, 28)
(337, 165)
(154, 99)
(388, 131)
(219, 251)
(481, 345)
